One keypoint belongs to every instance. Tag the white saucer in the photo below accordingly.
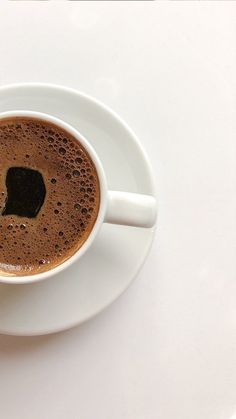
(112, 262)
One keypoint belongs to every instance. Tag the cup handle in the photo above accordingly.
(131, 209)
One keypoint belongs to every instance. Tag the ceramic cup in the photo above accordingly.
(116, 207)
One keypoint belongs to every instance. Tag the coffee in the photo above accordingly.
(49, 195)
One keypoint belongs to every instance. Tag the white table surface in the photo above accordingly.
(167, 348)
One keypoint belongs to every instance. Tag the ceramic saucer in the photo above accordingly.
(118, 252)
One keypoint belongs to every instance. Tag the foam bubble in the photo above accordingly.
(78, 160)
(62, 151)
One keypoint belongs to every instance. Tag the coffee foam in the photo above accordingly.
(33, 245)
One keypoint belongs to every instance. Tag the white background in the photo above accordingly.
(167, 348)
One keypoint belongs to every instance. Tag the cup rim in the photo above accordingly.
(27, 279)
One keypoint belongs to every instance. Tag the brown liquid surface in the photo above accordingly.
(40, 233)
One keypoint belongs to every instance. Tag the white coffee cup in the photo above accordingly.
(116, 207)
